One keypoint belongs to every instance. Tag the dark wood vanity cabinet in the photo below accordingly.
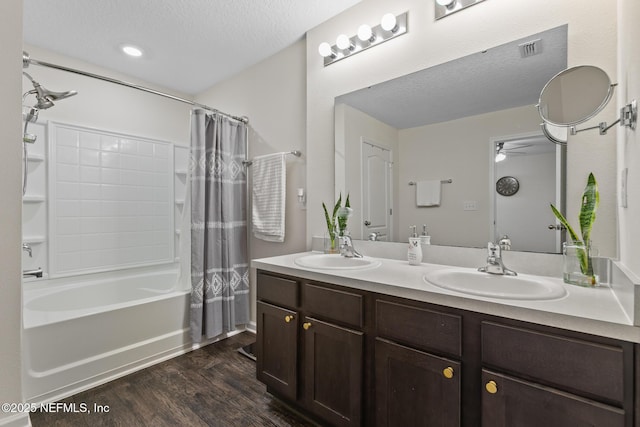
(309, 349)
(359, 358)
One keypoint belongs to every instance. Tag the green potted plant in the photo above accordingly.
(580, 249)
(336, 222)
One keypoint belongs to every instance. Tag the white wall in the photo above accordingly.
(11, 211)
(272, 95)
(629, 140)
(592, 40)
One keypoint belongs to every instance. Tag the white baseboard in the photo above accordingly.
(17, 420)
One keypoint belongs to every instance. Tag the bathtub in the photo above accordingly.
(83, 331)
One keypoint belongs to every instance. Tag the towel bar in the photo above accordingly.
(444, 181)
(296, 153)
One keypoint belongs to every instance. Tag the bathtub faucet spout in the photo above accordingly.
(37, 272)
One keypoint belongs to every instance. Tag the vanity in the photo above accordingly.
(378, 344)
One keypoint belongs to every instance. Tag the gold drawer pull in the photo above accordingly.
(491, 387)
(306, 325)
(448, 372)
(288, 318)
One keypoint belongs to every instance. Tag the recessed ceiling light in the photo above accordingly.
(132, 51)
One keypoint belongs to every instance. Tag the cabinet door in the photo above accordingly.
(507, 401)
(414, 388)
(276, 349)
(333, 372)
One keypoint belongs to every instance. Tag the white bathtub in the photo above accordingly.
(83, 331)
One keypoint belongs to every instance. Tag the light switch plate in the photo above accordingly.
(470, 205)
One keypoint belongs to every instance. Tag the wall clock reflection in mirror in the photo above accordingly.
(507, 186)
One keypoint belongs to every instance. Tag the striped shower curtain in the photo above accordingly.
(218, 193)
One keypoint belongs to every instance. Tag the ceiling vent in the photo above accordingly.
(530, 48)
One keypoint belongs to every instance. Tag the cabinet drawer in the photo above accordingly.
(419, 327)
(277, 290)
(575, 365)
(509, 401)
(333, 304)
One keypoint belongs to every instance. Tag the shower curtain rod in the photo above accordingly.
(27, 60)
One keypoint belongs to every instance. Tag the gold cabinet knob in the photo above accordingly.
(288, 318)
(448, 372)
(306, 325)
(491, 387)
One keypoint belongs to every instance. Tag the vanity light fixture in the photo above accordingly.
(390, 26)
(446, 7)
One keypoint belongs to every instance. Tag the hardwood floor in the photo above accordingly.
(212, 386)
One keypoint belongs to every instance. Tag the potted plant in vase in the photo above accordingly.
(336, 223)
(578, 252)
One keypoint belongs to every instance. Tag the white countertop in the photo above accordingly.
(595, 311)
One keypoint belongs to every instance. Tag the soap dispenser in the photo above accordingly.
(414, 255)
(425, 239)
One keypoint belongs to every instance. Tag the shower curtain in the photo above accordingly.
(218, 201)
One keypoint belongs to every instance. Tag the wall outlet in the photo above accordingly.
(470, 205)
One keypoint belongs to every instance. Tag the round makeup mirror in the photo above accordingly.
(574, 95)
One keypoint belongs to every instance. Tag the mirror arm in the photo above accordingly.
(628, 118)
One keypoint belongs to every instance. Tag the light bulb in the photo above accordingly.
(388, 22)
(446, 3)
(365, 33)
(132, 51)
(343, 42)
(325, 50)
(500, 157)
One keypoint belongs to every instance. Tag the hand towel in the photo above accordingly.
(268, 196)
(428, 193)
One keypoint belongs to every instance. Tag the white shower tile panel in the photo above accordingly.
(68, 173)
(89, 157)
(88, 140)
(67, 137)
(113, 197)
(68, 155)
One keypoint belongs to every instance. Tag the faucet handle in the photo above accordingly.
(27, 248)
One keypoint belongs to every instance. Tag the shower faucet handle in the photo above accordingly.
(27, 248)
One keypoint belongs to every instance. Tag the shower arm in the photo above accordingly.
(27, 60)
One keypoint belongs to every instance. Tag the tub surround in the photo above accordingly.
(597, 311)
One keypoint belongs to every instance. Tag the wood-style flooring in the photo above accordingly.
(212, 386)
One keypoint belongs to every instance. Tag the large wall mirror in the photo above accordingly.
(436, 133)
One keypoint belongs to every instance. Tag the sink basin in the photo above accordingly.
(522, 287)
(336, 262)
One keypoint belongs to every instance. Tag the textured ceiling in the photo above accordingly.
(492, 80)
(189, 45)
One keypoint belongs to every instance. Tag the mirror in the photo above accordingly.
(575, 95)
(442, 124)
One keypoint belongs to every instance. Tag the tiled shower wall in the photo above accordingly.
(113, 201)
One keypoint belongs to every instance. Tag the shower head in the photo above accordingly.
(44, 96)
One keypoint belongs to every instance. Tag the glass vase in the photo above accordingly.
(331, 242)
(578, 267)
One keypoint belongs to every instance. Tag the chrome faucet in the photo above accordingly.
(494, 261)
(346, 246)
(27, 248)
(505, 243)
